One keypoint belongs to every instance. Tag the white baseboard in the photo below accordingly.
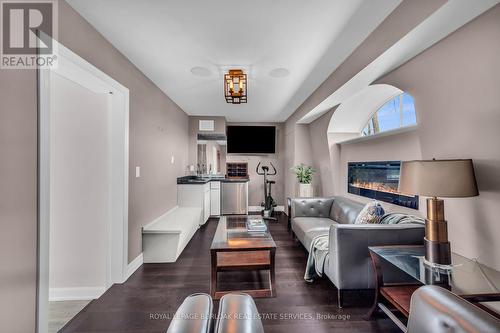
(254, 208)
(75, 294)
(259, 208)
(279, 208)
(133, 266)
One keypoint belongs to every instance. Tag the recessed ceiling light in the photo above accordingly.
(279, 72)
(201, 71)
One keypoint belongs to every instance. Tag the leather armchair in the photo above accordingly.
(238, 313)
(194, 315)
(437, 310)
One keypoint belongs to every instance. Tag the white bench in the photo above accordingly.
(164, 239)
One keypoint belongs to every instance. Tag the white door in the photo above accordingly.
(215, 202)
(215, 198)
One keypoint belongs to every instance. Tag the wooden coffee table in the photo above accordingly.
(235, 249)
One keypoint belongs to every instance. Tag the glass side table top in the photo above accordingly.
(465, 276)
(232, 234)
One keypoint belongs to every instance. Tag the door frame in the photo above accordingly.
(73, 67)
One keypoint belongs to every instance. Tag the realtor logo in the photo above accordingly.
(28, 29)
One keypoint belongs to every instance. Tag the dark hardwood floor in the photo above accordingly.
(152, 294)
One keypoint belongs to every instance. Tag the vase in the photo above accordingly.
(305, 191)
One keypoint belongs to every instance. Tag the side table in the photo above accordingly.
(466, 278)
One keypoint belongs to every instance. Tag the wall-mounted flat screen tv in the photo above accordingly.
(251, 139)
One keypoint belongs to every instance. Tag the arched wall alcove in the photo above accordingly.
(347, 144)
(351, 116)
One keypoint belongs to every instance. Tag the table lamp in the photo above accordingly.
(438, 178)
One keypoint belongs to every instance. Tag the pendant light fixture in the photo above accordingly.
(235, 86)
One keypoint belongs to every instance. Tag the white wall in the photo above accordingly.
(299, 151)
(321, 155)
(289, 178)
(79, 193)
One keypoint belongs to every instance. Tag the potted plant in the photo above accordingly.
(304, 176)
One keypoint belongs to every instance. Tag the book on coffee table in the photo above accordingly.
(256, 225)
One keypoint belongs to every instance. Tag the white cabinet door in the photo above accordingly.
(190, 195)
(215, 202)
(206, 206)
(194, 195)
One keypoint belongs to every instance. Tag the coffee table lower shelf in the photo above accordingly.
(243, 260)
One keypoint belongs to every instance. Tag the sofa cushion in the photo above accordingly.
(371, 213)
(345, 211)
(311, 207)
(303, 225)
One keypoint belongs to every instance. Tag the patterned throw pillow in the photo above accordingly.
(371, 213)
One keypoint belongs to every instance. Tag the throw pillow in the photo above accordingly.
(371, 213)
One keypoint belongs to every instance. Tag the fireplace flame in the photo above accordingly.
(375, 186)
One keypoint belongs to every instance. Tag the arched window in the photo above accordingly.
(396, 113)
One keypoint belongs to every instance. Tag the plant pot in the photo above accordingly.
(305, 191)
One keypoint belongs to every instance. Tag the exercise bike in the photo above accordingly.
(268, 202)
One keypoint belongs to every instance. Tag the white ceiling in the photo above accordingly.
(166, 39)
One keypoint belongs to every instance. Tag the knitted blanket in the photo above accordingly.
(317, 256)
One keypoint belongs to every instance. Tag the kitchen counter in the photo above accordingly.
(186, 180)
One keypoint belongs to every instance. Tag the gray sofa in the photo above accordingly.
(348, 264)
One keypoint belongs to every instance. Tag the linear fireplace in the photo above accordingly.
(378, 180)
